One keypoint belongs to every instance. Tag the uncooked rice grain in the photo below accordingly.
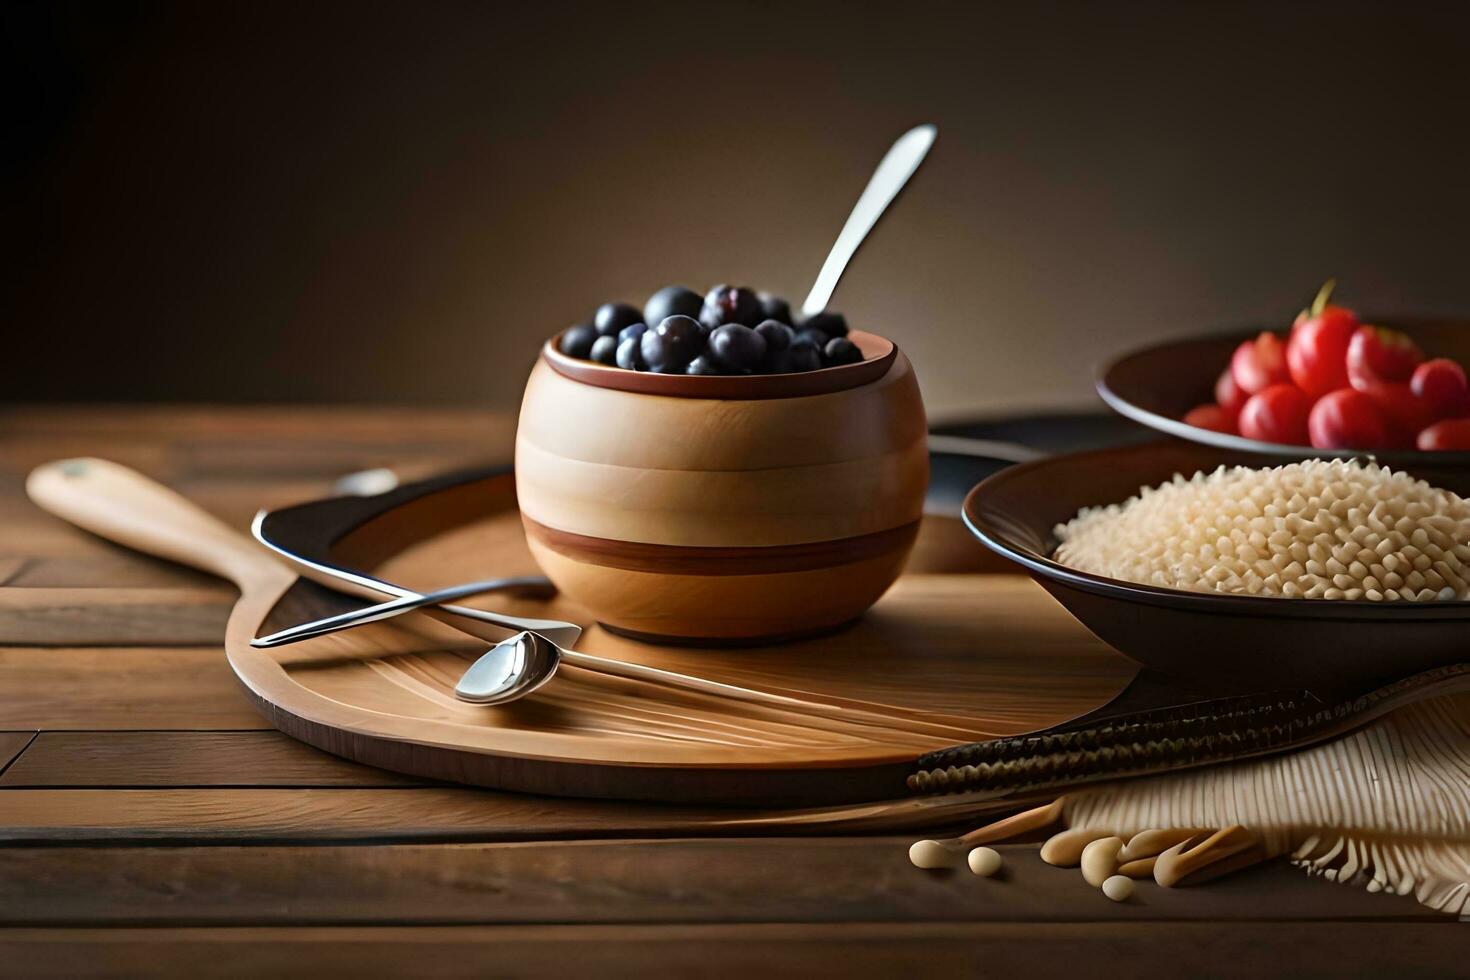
(1320, 529)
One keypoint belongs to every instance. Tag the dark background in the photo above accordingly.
(396, 202)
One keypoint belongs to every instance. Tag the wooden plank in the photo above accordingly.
(174, 423)
(942, 949)
(123, 688)
(312, 815)
(739, 880)
(12, 744)
(184, 759)
(114, 616)
(120, 570)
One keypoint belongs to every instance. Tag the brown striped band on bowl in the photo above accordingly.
(638, 556)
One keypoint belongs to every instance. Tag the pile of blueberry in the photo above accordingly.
(730, 330)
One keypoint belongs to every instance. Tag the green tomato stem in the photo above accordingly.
(1323, 294)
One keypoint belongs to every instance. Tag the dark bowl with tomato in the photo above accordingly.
(1162, 385)
(1222, 643)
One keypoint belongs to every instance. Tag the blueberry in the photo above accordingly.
(605, 350)
(630, 354)
(577, 341)
(798, 357)
(774, 308)
(612, 317)
(730, 304)
(831, 324)
(816, 338)
(672, 301)
(737, 347)
(703, 364)
(777, 335)
(634, 330)
(839, 350)
(671, 345)
(804, 357)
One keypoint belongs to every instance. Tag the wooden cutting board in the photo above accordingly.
(951, 658)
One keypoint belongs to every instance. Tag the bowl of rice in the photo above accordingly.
(1240, 570)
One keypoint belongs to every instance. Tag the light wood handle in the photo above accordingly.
(129, 509)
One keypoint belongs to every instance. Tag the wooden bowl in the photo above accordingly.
(1158, 385)
(723, 509)
(1225, 642)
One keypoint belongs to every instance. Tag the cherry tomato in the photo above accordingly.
(1440, 383)
(1277, 414)
(1347, 419)
(1376, 354)
(1316, 353)
(1446, 435)
(1228, 395)
(1258, 364)
(1403, 411)
(1211, 417)
(1327, 310)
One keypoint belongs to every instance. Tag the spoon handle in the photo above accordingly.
(897, 166)
(883, 716)
(408, 603)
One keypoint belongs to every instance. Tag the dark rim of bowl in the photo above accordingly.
(1221, 440)
(879, 354)
(1224, 603)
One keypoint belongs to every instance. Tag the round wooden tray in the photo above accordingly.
(954, 658)
(912, 714)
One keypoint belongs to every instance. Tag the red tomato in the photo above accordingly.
(1258, 364)
(1441, 385)
(1278, 414)
(1376, 354)
(1446, 435)
(1228, 394)
(1347, 419)
(1327, 310)
(1403, 411)
(1211, 417)
(1316, 353)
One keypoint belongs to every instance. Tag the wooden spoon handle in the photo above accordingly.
(126, 507)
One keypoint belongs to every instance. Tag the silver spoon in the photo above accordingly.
(511, 669)
(567, 633)
(894, 170)
(515, 667)
(555, 630)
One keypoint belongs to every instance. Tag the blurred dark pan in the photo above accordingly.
(1227, 642)
(1157, 385)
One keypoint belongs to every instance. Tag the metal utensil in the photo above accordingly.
(558, 632)
(408, 603)
(515, 667)
(894, 170)
(522, 668)
(511, 669)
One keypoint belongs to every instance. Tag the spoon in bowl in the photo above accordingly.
(526, 661)
(893, 172)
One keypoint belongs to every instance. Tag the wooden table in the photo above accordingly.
(152, 822)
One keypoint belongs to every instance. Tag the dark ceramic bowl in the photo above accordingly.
(1227, 643)
(1158, 385)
